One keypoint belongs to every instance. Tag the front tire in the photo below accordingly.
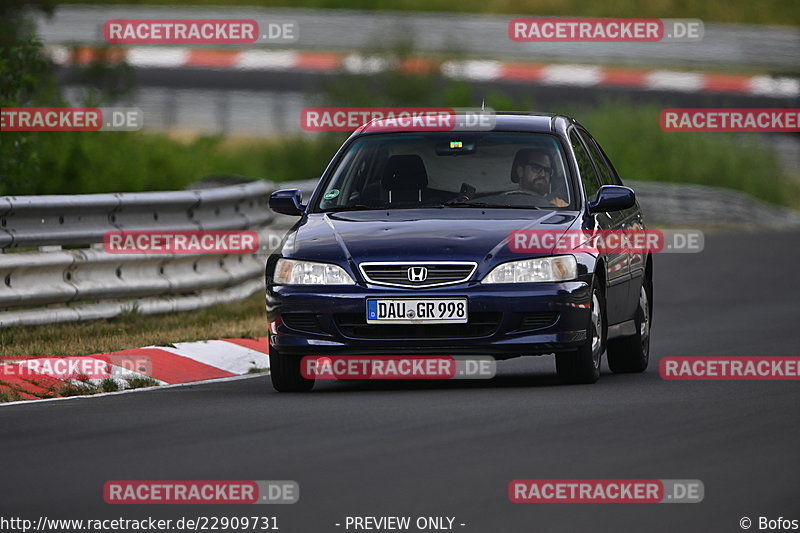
(285, 373)
(583, 366)
(632, 354)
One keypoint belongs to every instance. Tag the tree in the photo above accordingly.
(25, 79)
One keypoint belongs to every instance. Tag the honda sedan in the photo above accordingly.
(406, 247)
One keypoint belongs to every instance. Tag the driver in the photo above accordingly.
(533, 170)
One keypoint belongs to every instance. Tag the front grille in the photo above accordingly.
(418, 275)
(354, 325)
(537, 320)
(302, 322)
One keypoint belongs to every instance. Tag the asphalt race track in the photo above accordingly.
(451, 448)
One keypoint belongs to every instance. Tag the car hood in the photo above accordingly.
(455, 234)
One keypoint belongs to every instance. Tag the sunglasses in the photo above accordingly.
(539, 169)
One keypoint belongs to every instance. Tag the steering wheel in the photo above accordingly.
(521, 191)
(539, 200)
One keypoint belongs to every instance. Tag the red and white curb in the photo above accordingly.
(180, 363)
(474, 70)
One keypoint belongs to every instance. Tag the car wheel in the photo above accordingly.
(632, 354)
(285, 373)
(583, 366)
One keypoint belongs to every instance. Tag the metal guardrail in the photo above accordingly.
(42, 282)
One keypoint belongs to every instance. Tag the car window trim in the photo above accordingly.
(591, 161)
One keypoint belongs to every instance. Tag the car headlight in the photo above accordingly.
(558, 268)
(293, 272)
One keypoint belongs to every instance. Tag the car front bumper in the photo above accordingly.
(505, 320)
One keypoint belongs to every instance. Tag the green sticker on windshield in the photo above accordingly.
(333, 193)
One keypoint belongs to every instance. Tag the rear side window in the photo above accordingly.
(591, 182)
(607, 176)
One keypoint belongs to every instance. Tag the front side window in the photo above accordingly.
(452, 169)
(607, 175)
(589, 178)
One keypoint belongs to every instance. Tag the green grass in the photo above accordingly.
(10, 395)
(783, 12)
(82, 387)
(140, 382)
(87, 388)
(642, 152)
(87, 162)
(245, 319)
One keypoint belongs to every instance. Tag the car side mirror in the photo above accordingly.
(613, 198)
(287, 202)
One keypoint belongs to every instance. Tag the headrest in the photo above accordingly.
(405, 172)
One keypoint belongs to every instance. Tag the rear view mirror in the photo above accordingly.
(455, 146)
(287, 202)
(613, 198)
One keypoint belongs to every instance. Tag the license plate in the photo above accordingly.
(427, 311)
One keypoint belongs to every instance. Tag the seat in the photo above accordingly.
(404, 179)
(522, 156)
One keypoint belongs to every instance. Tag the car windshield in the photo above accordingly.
(449, 170)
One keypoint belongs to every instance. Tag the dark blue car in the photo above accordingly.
(404, 248)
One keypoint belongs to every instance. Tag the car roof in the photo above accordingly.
(504, 121)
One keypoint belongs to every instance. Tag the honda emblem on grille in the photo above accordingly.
(417, 274)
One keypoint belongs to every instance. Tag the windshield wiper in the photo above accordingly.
(466, 203)
(463, 203)
(356, 207)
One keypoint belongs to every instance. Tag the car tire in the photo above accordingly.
(583, 365)
(632, 354)
(285, 373)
